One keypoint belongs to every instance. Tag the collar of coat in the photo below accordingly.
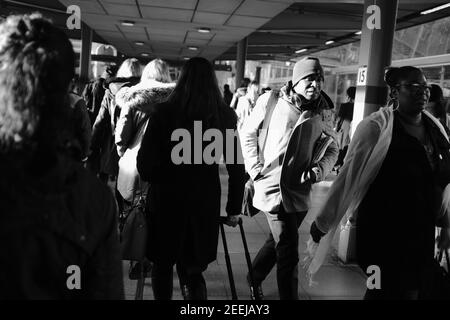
(295, 100)
(145, 95)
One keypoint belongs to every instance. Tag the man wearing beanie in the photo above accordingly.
(287, 146)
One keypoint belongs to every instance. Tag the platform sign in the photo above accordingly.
(362, 76)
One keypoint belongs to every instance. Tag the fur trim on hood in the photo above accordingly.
(145, 95)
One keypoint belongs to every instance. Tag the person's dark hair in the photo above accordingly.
(351, 92)
(254, 82)
(37, 65)
(226, 87)
(394, 75)
(111, 70)
(244, 83)
(437, 96)
(198, 94)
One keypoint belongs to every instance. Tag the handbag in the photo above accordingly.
(133, 231)
(441, 277)
(249, 190)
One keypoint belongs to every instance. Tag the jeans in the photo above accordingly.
(281, 248)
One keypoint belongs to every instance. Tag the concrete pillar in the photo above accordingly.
(85, 56)
(371, 91)
(258, 74)
(374, 56)
(240, 61)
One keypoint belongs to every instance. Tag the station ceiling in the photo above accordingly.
(169, 29)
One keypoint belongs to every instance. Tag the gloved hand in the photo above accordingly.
(232, 221)
(308, 176)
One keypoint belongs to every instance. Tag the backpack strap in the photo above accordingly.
(271, 103)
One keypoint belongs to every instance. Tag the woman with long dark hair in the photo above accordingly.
(183, 201)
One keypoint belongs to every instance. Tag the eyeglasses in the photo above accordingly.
(416, 87)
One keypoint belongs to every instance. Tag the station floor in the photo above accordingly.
(336, 280)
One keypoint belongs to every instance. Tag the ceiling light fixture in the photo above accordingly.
(358, 33)
(204, 30)
(193, 48)
(436, 9)
(186, 58)
(329, 42)
(127, 23)
(145, 54)
(139, 43)
(301, 50)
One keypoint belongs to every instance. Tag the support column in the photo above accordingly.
(85, 56)
(375, 55)
(371, 91)
(258, 75)
(240, 60)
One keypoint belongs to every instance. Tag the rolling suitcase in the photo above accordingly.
(228, 260)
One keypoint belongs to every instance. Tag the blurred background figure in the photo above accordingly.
(104, 158)
(264, 90)
(240, 92)
(227, 94)
(80, 123)
(436, 106)
(247, 103)
(343, 125)
(183, 202)
(56, 219)
(95, 90)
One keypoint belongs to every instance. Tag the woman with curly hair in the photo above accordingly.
(56, 220)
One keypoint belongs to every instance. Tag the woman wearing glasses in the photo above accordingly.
(391, 186)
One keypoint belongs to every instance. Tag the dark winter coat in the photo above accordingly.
(81, 127)
(104, 156)
(52, 217)
(93, 96)
(183, 202)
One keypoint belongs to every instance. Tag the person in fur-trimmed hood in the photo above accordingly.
(136, 104)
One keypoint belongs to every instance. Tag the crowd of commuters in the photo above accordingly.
(71, 163)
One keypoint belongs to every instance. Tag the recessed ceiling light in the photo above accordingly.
(193, 48)
(436, 9)
(329, 42)
(139, 43)
(301, 50)
(204, 30)
(186, 58)
(127, 23)
(145, 54)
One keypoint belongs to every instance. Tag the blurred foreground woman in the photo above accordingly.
(394, 186)
(58, 229)
(183, 202)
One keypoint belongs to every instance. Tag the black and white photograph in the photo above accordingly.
(226, 155)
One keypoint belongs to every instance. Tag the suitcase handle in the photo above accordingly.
(227, 257)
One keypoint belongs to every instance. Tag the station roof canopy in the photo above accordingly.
(170, 29)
